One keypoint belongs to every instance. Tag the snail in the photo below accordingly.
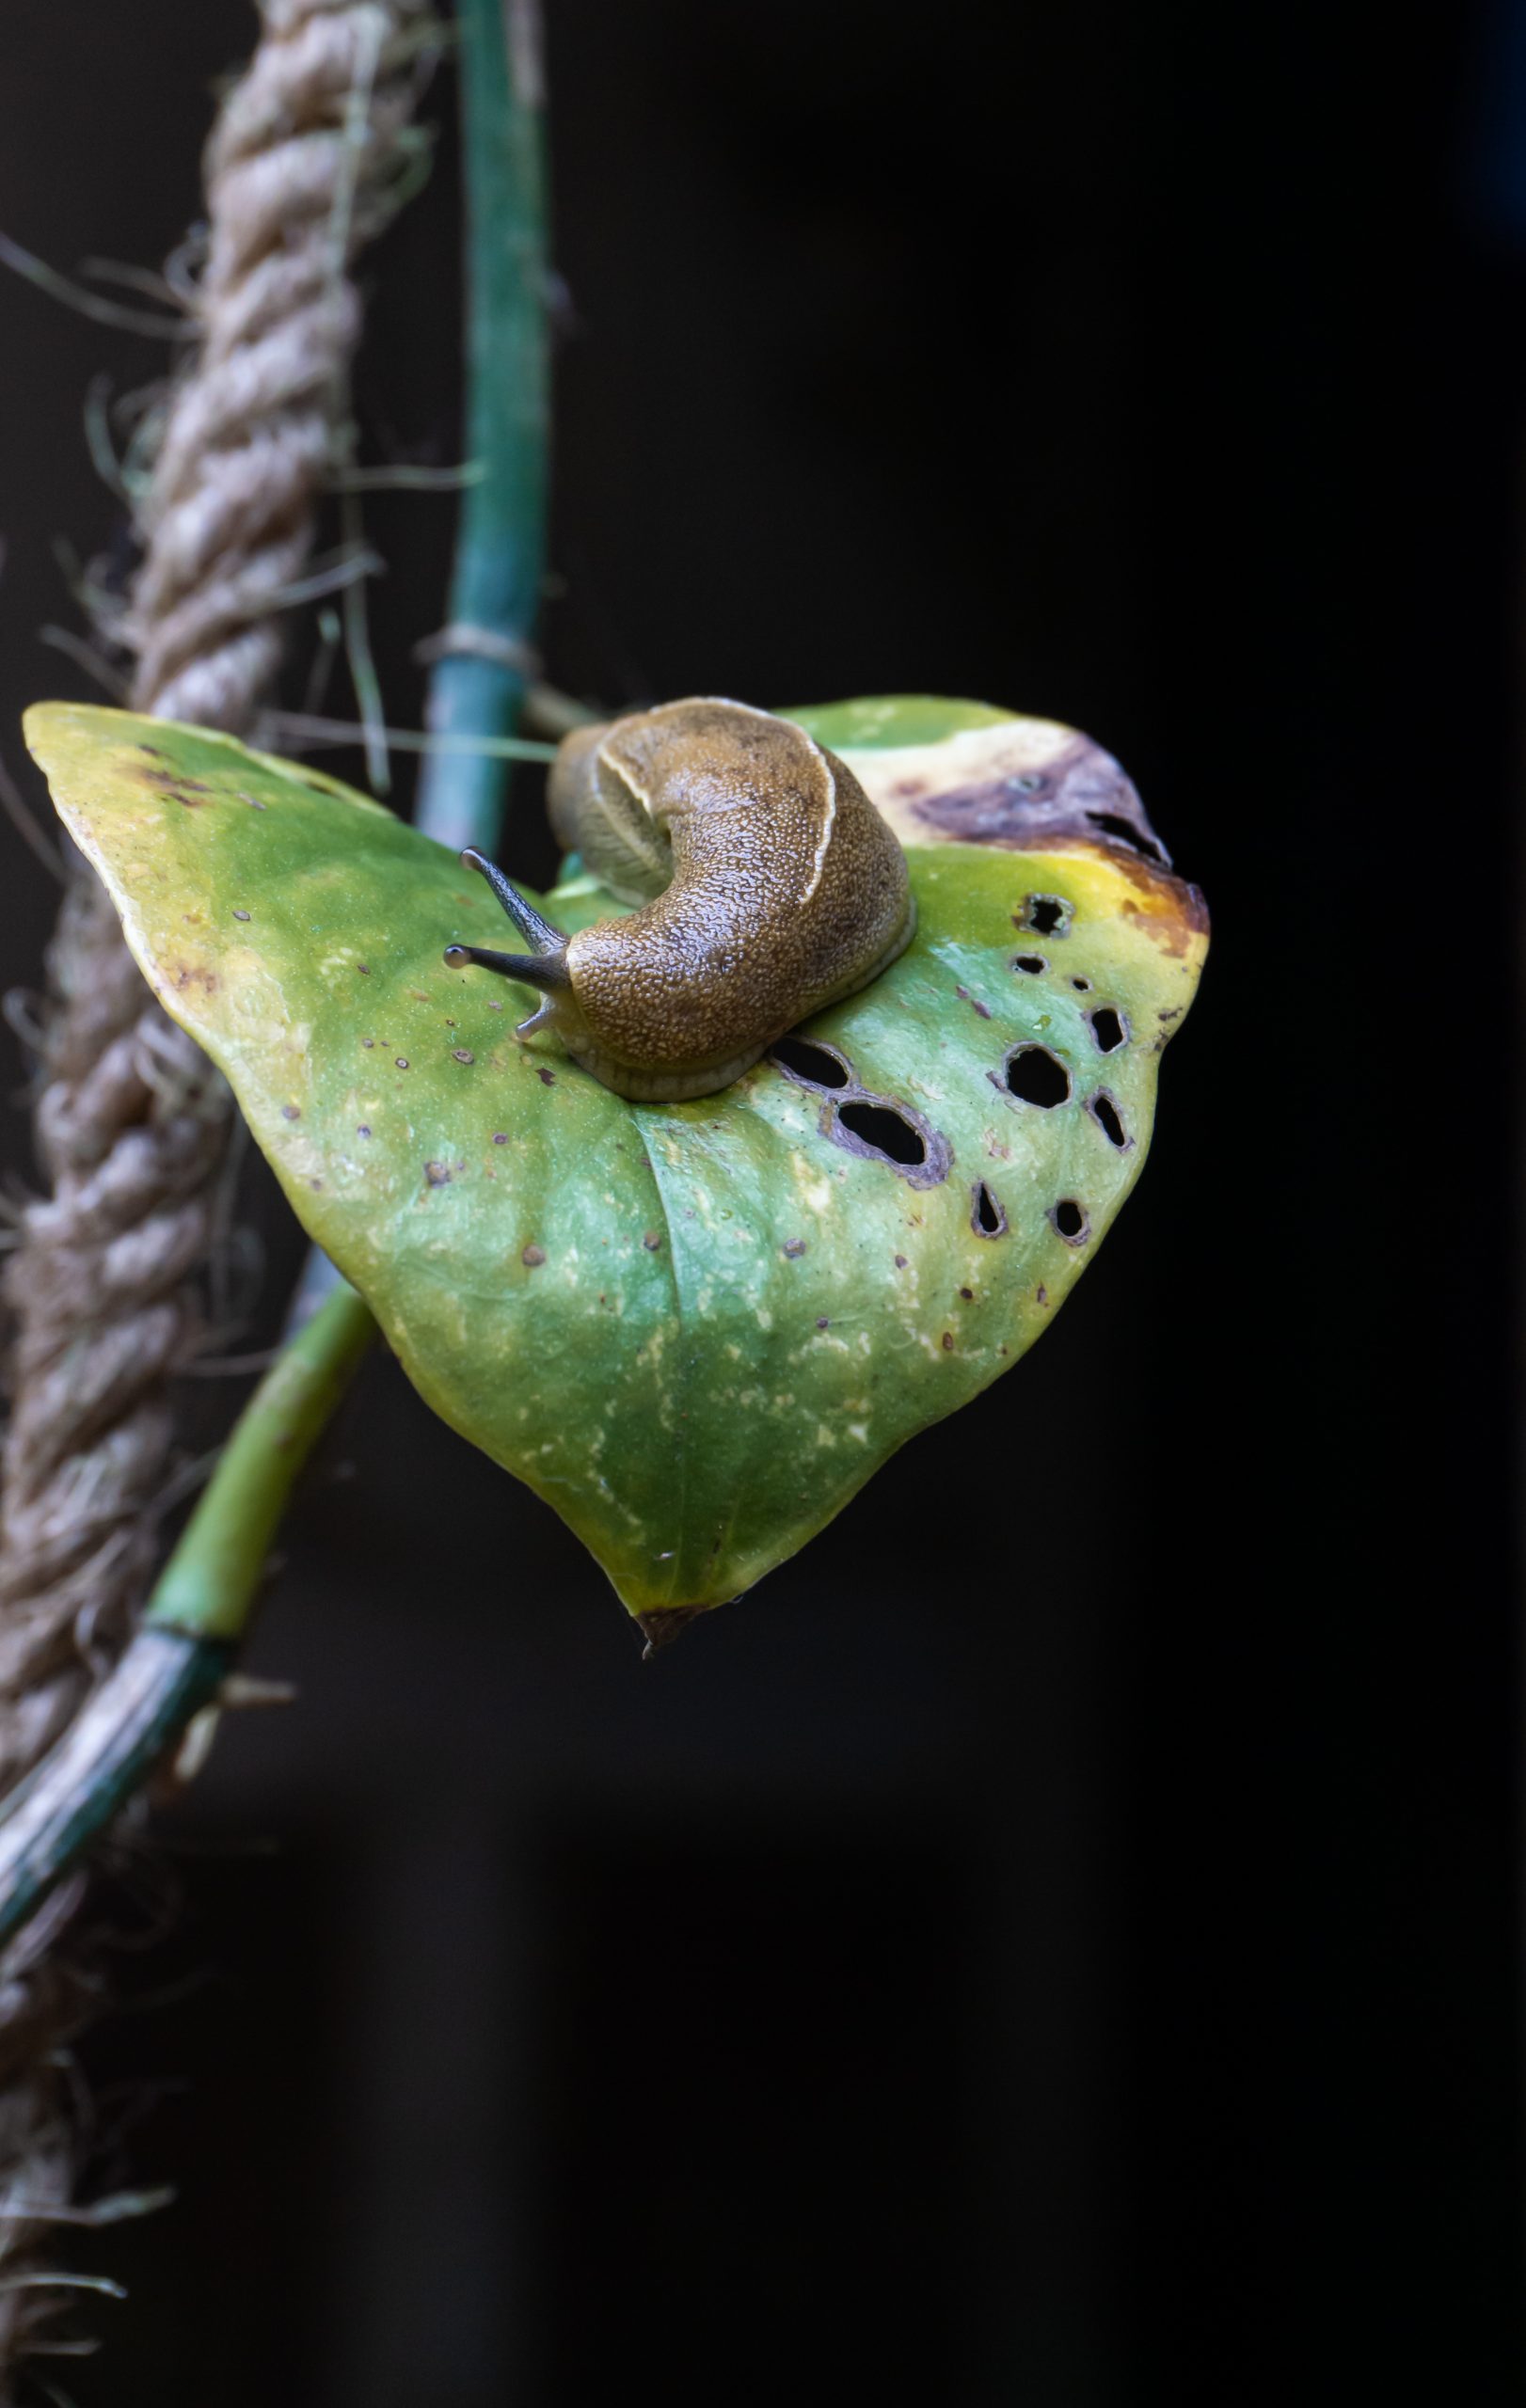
(768, 886)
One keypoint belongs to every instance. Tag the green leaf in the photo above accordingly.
(694, 1329)
(873, 722)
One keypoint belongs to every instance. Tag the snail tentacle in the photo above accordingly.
(545, 968)
(549, 971)
(544, 1016)
(537, 931)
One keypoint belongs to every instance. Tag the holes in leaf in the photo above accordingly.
(1125, 833)
(1109, 1029)
(1034, 963)
(1105, 1112)
(1034, 1076)
(881, 1130)
(987, 1218)
(1082, 986)
(1071, 1222)
(811, 1065)
(874, 1126)
(1047, 915)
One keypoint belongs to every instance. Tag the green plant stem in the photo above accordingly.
(208, 1585)
(178, 1660)
(500, 544)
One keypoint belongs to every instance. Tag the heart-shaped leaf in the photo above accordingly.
(695, 1329)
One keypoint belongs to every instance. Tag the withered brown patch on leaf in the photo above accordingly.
(1174, 912)
(661, 1627)
(1076, 792)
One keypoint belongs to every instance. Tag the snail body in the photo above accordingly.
(766, 884)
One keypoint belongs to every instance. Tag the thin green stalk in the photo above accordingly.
(178, 1660)
(210, 1582)
(500, 546)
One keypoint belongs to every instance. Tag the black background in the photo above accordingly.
(1057, 1940)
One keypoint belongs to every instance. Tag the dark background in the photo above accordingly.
(1057, 1940)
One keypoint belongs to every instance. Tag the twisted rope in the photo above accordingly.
(306, 161)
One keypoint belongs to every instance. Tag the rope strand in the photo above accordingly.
(104, 1285)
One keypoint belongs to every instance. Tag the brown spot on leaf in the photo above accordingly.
(402, 1061)
(974, 1001)
(652, 1241)
(364, 968)
(660, 1628)
(252, 799)
(459, 1053)
(794, 1247)
(823, 1323)
(900, 1262)
(241, 915)
(533, 1257)
(369, 1042)
(364, 1129)
(546, 1078)
(948, 1341)
(437, 1173)
(291, 1112)
(501, 1137)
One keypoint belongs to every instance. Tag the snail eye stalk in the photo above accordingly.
(535, 931)
(548, 971)
(545, 968)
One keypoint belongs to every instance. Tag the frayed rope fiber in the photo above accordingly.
(306, 161)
